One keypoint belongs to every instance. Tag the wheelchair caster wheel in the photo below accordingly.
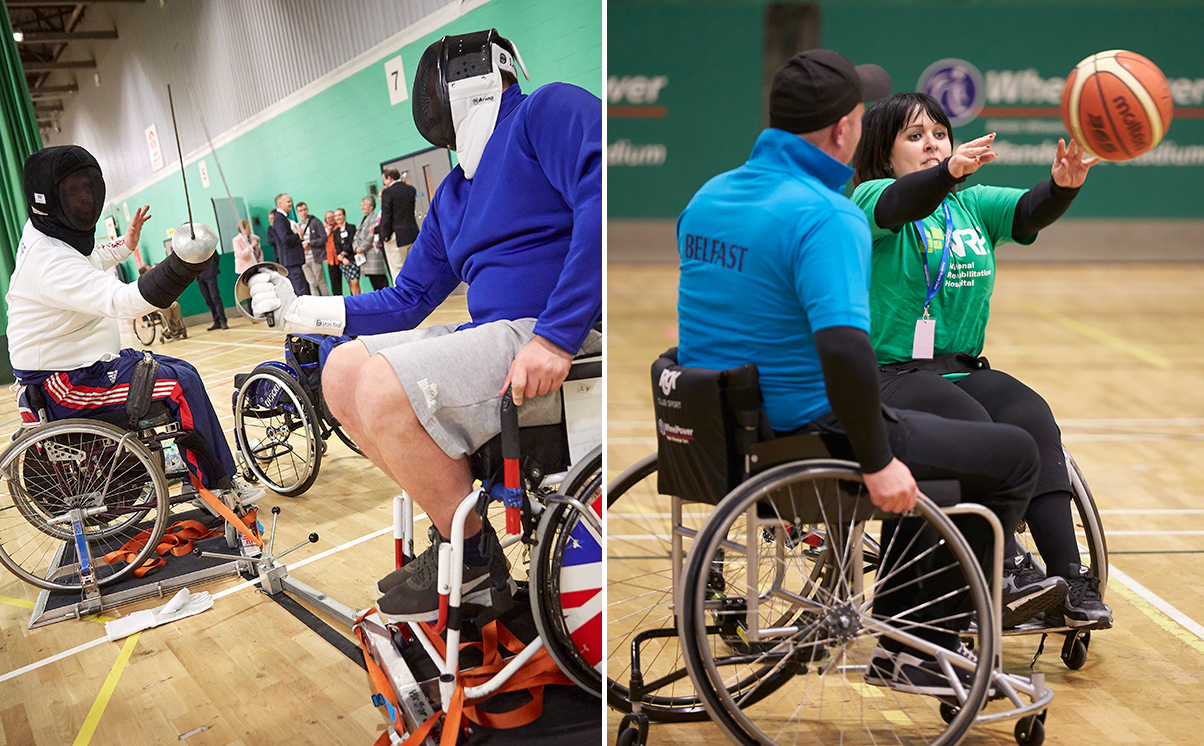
(1030, 731)
(1074, 651)
(633, 730)
(948, 712)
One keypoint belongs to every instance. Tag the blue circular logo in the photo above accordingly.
(958, 86)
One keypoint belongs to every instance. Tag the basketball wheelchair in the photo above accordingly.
(281, 421)
(87, 502)
(767, 624)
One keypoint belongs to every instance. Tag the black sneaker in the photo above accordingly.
(906, 673)
(1083, 605)
(414, 593)
(430, 556)
(1027, 591)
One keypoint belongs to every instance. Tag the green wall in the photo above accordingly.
(708, 109)
(325, 150)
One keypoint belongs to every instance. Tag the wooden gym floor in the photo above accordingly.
(244, 673)
(1118, 351)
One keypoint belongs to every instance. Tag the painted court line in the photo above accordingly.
(1103, 337)
(106, 692)
(1148, 602)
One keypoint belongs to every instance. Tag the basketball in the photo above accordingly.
(1117, 105)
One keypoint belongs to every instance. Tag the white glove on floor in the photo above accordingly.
(183, 604)
(309, 314)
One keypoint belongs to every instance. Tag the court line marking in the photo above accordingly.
(1101, 336)
(1152, 511)
(242, 586)
(1146, 601)
(106, 692)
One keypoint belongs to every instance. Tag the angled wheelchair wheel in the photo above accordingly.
(144, 330)
(811, 613)
(639, 598)
(77, 494)
(566, 577)
(277, 431)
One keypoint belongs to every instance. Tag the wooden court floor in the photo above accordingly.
(245, 672)
(1118, 351)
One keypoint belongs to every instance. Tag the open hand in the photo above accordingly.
(970, 156)
(1069, 168)
(134, 232)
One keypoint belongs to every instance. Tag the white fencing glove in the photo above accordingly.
(271, 292)
(183, 604)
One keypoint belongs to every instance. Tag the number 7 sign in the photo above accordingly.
(396, 77)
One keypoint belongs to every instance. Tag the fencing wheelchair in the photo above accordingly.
(773, 623)
(281, 421)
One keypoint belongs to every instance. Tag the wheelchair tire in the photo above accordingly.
(822, 591)
(567, 597)
(276, 428)
(79, 463)
(145, 332)
(640, 598)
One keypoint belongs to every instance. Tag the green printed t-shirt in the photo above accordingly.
(981, 220)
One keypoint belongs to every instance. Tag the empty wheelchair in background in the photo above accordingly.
(793, 584)
(146, 327)
(281, 421)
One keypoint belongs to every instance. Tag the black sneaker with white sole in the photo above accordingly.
(1083, 606)
(904, 672)
(1027, 592)
(412, 593)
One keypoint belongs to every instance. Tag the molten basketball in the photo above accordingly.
(1117, 105)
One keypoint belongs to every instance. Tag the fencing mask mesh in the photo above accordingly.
(65, 194)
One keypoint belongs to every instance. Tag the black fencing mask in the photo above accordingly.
(65, 194)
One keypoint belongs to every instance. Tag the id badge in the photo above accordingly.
(925, 339)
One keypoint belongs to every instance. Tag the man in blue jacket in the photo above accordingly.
(519, 220)
(290, 252)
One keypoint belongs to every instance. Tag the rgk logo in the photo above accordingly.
(669, 380)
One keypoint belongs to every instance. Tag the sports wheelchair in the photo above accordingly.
(281, 421)
(770, 624)
(544, 483)
(146, 327)
(86, 501)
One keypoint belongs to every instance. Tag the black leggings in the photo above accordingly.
(994, 396)
(996, 466)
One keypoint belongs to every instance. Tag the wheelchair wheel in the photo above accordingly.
(1093, 546)
(566, 577)
(92, 467)
(811, 614)
(144, 330)
(639, 600)
(277, 431)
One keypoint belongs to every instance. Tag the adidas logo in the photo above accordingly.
(112, 376)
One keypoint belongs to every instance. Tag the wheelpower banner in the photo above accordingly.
(673, 122)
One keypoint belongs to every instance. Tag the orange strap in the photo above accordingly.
(538, 672)
(219, 506)
(177, 539)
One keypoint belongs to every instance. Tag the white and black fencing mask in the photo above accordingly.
(65, 194)
(458, 92)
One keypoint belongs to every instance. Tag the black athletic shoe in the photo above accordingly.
(430, 556)
(1083, 605)
(1027, 591)
(906, 673)
(414, 595)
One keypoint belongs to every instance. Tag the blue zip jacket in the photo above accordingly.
(525, 233)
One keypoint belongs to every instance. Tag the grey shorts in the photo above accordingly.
(452, 378)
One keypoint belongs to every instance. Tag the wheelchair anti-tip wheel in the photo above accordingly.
(276, 428)
(566, 577)
(783, 559)
(73, 492)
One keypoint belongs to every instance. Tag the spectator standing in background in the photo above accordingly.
(332, 256)
(313, 238)
(373, 264)
(207, 282)
(398, 228)
(290, 253)
(344, 244)
(247, 252)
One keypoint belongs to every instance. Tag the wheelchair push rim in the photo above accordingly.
(276, 429)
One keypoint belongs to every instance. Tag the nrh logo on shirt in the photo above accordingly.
(963, 238)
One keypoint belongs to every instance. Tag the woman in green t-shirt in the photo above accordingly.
(933, 272)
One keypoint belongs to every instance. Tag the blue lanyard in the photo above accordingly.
(933, 287)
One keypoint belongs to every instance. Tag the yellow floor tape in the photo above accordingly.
(106, 692)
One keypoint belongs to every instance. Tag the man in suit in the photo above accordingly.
(289, 251)
(398, 228)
